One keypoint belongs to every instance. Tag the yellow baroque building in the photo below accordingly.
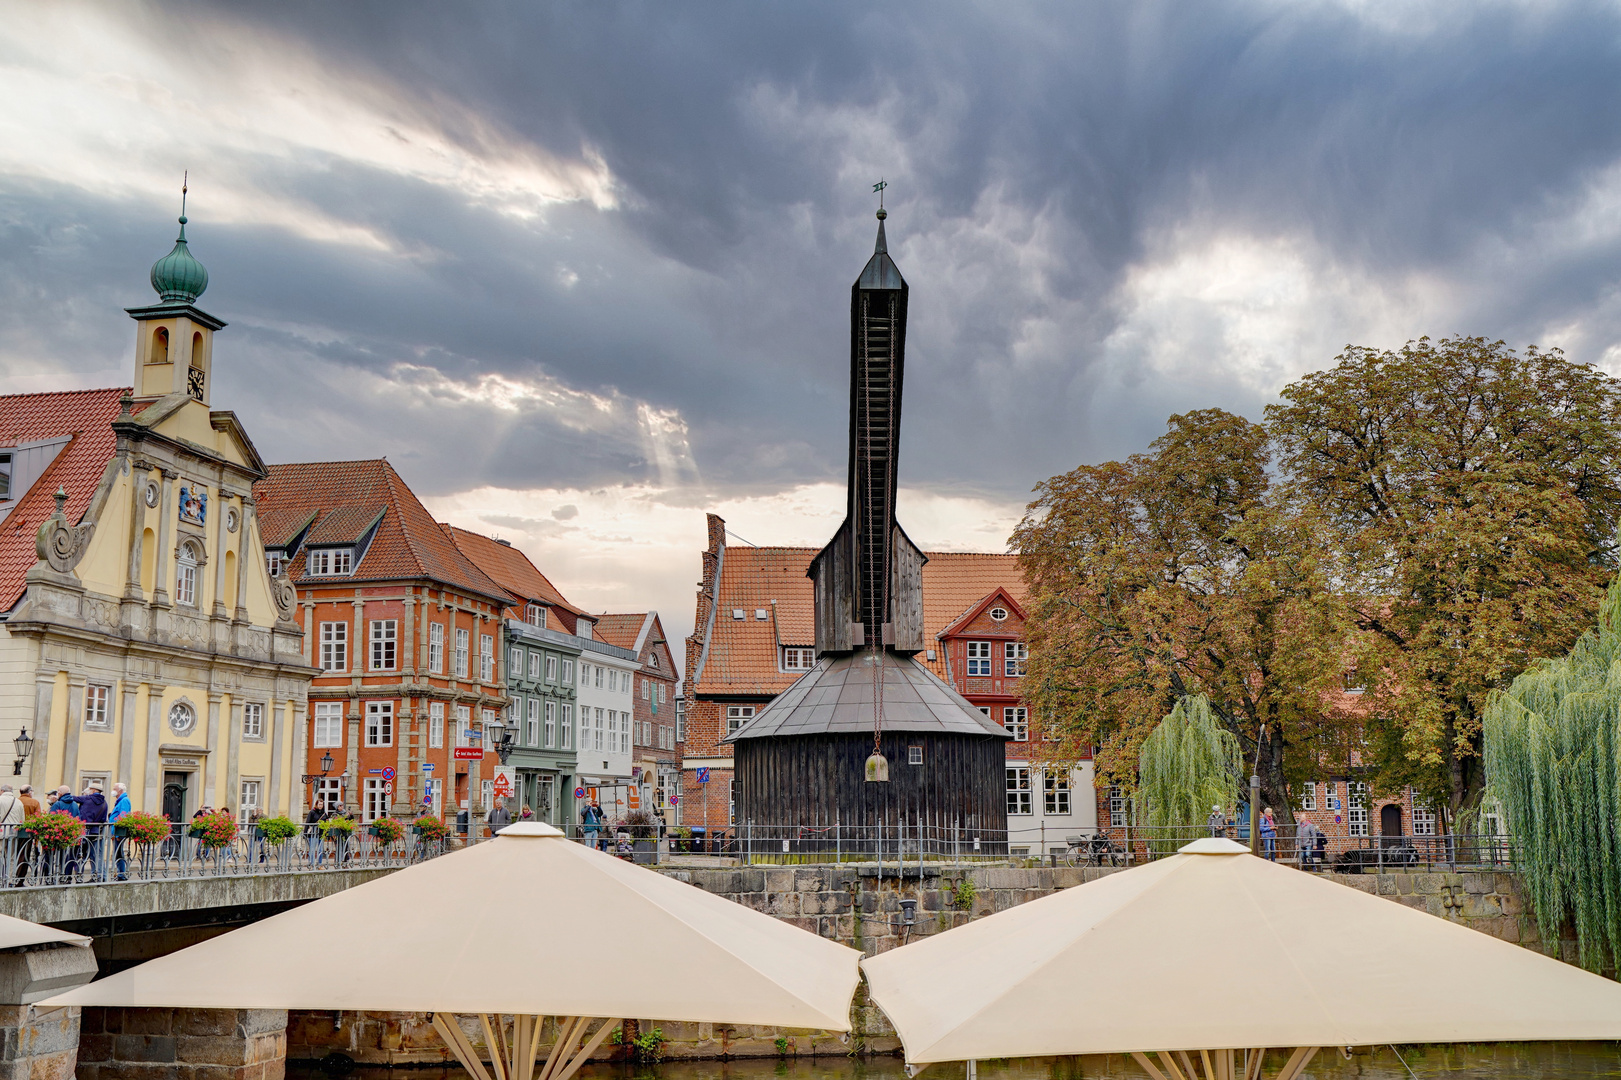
(144, 641)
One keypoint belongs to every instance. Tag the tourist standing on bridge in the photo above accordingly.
(31, 807)
(93, 812)
(120, 808)
(13, 813)
(1217, 822)
(1269, 834)
(312, 831)
(500, 817)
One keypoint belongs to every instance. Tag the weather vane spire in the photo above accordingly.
(879, 188)
(184, 178)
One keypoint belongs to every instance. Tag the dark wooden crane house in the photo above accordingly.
(802, 763)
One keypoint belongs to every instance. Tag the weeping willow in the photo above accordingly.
(1551, 765)
(1189, 763)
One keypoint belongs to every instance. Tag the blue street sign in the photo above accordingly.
(703, 776)
(375, 772)
(427, 766)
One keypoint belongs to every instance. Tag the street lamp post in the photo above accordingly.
(24, 743)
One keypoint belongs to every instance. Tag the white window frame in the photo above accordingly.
(334, 646)
(534, 614)
(374, 800)
(436, 725)
(248, 796)
(464, 725)
(328, 562)
(385, 635)
(1356, 811)
(1117, 808)
(486, 657)
(1308, 795)
(596, 730)
(551, 669)
(379, 723)
(1055, 790)
(680, 719)
(185, 575)
(464, 638)
(98, 707)
(273, 561)
(532, 721)
(1019, 802)
(914, 755)
(534, 666)
(551, 723)
(599, 676)
(737, 716)
(1015, 659)
(568, 726)
(436, 648)
(253, 720)
(329, 790)
(795, 658)
(515, 663)
(1016, 718)
(328, 714)
(1423, 816)
(978, 660)
(568, 672)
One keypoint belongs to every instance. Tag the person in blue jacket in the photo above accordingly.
(120, 808)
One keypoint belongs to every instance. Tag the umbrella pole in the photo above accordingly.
(568, 1033)
(1221, 1067)
(459, 1046)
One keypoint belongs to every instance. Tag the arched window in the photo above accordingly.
(185, 576)
(160, 346)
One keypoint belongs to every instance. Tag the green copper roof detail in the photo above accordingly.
(178, 276)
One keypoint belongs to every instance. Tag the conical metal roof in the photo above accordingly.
(178, 277)
(881, 271)
(835, 697)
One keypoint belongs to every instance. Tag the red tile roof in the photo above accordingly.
(512, 570)
(87, 416)
(620, 630)
(742, 653)
(409, 544)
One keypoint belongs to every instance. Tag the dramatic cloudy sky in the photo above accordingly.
(581, 271)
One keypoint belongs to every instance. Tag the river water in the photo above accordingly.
(1553, 1061)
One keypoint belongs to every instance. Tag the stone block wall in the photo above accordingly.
(38, 1044)
(183, 1044)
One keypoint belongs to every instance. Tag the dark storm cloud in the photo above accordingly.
(1044, 160)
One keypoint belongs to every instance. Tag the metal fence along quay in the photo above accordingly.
(105, 857)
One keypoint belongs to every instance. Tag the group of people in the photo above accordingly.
(18, 805)
(1311, 843)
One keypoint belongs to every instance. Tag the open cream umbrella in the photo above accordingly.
(1213, 951)
(528, 924)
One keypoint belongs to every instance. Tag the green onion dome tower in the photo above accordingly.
(178, 277)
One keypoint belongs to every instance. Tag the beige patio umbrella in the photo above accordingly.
(528, 925)
(1213, 951)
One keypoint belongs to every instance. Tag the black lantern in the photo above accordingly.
(24, 743)
(326, 763)
(503, 748)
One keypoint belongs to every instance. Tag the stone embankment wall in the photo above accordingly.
(856, 907)
(182, 1044)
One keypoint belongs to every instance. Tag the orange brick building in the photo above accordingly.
(754, 635)
(405, 633)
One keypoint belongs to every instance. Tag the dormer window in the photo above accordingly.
(534, 615)
(274, 561)
(329, 562)
(5, 477)
(796, 659)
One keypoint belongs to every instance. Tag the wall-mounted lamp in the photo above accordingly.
(908, 912)
(24, 743)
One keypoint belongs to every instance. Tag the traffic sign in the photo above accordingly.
(388, 773)
(675, 800)
(579, 793)
(503, 782)
(388, 787)
(703, 776)
(468, 753)
(427, 766)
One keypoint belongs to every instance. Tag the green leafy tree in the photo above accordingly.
(1551, 765)
(1189, 763)
(1469, 496)
(1174, 573)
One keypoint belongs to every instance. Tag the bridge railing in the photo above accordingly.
(103, 856)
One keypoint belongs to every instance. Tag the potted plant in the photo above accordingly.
(387, 830)
(338, 830)
(643, 829)
(142, 827)
(215, 830)
(277, 830)
(682, 837)
(53, 830)
(429, 827)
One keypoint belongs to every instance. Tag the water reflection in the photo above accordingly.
(1551, 1061)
